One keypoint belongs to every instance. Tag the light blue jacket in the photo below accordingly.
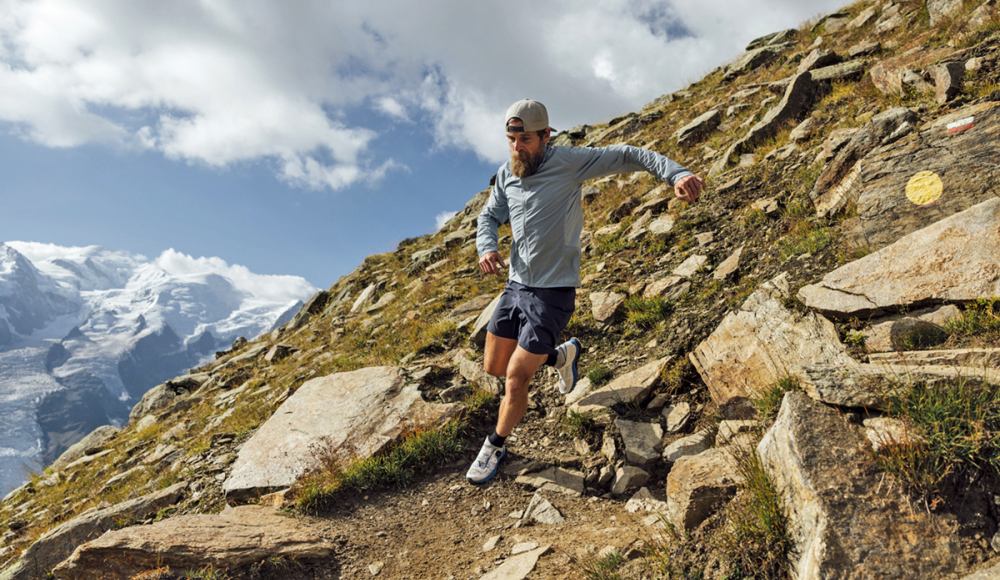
(545, 210)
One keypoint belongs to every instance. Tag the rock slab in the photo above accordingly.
(955, 259)
(59, 543)
(839, 517)
(235, 538)
(349, 415)
(761, 343)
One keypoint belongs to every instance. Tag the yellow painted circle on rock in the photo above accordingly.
(923, 188)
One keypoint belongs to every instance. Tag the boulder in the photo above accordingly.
(943, 10)
(235, 538)
(643, 441)
(425, 258)
(754, 59)
(340, 417)
(365, 297)
(478, 336)
(803, 130)
(773, 38)
(838, 183)
(841, 515)
(628, 477)
(947, 80)
(606, 306)
(59, 543)
(697, 485)
(864, 18)
(818, 58)
(952, 260)
(699, 128)
(838, 72)
(690, 445)
(89, 445)
(984, 15)
(760, 343)
(991, 573)
(632, 387)
(459, 237)
(888, 74)
(279, 352)
(864, 49)
(946, 168)
(798, 97)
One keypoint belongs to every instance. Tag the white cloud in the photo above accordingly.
(442, 218)
(261, 287)
(220, 82)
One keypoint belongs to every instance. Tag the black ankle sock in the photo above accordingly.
(496, 440)
(551, 361)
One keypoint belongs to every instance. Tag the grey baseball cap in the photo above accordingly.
(531, 113)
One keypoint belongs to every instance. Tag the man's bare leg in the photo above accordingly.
(520, 369)
(496, 355)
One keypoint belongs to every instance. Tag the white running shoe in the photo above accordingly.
(485, 466)
(568, 373)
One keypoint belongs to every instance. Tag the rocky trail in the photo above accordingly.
(796, 377)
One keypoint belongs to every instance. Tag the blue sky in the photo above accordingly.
(298, 138)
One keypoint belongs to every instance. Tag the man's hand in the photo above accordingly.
(689, 188)
(491, 263)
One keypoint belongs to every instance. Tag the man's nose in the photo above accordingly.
(518, 146)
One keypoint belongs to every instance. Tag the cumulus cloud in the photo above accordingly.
(442, 218)
(262, 287)
(220, 82)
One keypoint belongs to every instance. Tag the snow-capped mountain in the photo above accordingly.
(85, 332)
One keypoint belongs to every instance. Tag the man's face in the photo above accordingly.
(526, 149)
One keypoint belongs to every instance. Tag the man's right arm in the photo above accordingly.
(494, 213)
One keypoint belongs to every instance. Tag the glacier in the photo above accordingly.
(86, 331)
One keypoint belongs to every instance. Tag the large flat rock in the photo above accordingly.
(845, 521)
(235, 538)
(760, 343)
(866, 385)
(925, 177)
(698, 485)
(955, 259)
(59, 543)
(352, 414)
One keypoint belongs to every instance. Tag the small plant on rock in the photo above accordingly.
(599, 375)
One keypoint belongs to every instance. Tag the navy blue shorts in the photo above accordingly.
(533, 316)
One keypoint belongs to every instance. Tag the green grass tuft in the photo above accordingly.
(955, 431)
(605, 568)
(755, 538)
(767, 400)
(599, 375)
(643, 313)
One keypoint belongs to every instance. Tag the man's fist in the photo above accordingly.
(492, 263)
(689, 188)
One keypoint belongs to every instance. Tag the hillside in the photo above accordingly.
(794, 377)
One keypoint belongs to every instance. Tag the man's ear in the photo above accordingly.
(548, 134)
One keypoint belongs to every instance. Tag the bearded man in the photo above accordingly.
(539, 192)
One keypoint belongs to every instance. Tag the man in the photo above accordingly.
(539, 192)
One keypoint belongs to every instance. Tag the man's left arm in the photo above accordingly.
(626, 158)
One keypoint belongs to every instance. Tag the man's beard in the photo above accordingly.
(527, 165)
